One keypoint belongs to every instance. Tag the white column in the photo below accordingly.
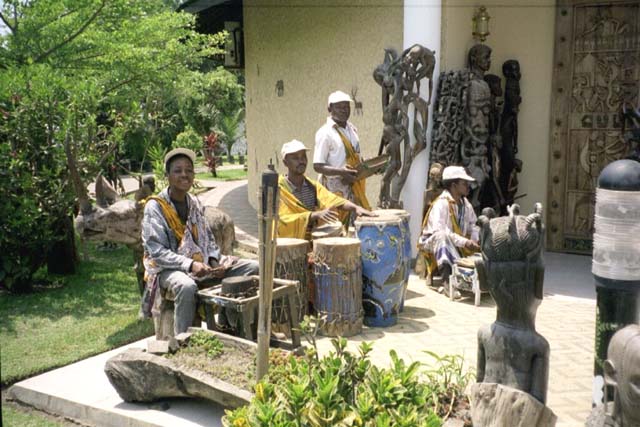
(422, 21)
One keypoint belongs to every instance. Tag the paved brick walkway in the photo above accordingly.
(432, 322)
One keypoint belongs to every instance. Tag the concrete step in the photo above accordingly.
(81, 392)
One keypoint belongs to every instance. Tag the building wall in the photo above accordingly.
(314, 47)
(522, 30)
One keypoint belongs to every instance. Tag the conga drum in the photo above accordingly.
(291, 264)
(383, 268)
(337, 272)
(404, 217)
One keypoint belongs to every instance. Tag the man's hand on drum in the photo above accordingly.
(360, 211)
(471, 245)
(324, 216)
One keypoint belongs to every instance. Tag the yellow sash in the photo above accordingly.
(353, 160)
(293, 216)
(431, 262)
(173, 219)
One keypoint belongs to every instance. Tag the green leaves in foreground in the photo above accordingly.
(341, 389)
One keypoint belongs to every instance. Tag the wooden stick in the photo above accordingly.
(267, 226)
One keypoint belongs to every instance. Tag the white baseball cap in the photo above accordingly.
(338, 96)
(292, 146)
(179, 151)
(455, 172)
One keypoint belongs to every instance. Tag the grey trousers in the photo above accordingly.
(185, 289)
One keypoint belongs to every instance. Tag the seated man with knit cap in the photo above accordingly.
(179, 247)
(449, 227)
(305, 203)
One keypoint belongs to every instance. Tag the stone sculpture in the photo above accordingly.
(622, 372)
(510, 351)
(399, 77)
(509, 165)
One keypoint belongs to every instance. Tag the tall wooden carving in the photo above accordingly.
(596, 73)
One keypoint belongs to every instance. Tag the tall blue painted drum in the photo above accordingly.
(405, 217)
(383, 268)
(337, 271)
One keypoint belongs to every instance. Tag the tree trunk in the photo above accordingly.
(63, 256)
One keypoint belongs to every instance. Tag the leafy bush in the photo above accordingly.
(205, 98)
(209, 343)
(190, 139)
(345, 389)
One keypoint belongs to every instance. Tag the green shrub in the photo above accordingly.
(190, 139)
(344, 389)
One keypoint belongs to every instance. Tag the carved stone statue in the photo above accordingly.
(621, 371)
(509, 165)
(399, 78)
(510, 351)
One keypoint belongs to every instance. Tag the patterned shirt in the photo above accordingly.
(306, 194)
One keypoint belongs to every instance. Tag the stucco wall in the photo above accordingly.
(314, 47)
(522, 30)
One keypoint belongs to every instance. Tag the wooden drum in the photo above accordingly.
(383, 268)
(337, 271)
(404, 217)
(291, 264)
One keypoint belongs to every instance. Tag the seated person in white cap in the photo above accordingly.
(304, 202)
(449, 229)
(337, 152)
(179, 247)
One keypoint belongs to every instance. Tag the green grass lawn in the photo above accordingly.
(224, 175)
(92, 311)
(13, 417)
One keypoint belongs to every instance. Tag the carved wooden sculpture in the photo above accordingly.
(449, 117)
(510, 351)
(622, 371)
(474, 150)
(399, 78)
(509, 165)
(631, 117)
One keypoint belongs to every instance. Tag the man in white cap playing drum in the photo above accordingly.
(449, 229)
(305, 203)
(337, 152)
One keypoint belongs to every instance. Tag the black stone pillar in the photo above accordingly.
(616, 257)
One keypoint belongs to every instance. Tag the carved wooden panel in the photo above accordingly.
(596, 70)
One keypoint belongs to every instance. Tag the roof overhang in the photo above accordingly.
(195, 6)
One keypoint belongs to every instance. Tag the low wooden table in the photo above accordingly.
(248, 307)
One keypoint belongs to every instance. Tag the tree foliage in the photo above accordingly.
(64, 64)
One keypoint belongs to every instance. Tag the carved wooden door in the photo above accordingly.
(596, 70)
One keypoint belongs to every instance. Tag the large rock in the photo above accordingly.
(496, 405)
(139, 376)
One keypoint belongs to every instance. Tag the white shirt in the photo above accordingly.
(440, 219)
(329, 150)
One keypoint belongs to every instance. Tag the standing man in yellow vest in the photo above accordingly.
(337, 152)
(449, 228)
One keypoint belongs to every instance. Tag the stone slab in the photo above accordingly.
(82, 392)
